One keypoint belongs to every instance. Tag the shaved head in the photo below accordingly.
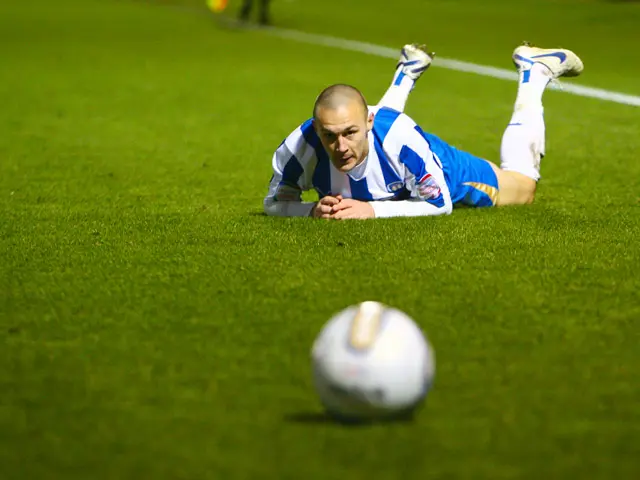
(339, 95)
(342, 121)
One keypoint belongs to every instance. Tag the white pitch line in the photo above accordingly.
(451, 64)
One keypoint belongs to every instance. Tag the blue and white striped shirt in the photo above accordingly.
(401, 175)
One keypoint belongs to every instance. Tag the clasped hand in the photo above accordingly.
(338, 208)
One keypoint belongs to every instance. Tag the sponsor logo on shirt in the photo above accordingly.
(428, 188)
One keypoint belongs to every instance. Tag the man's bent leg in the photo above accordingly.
(413, 62)
(523, 142)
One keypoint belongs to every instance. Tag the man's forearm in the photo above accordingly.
(408, 208)
(288, 209)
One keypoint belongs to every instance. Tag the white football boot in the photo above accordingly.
(559, 61)
(414, 60)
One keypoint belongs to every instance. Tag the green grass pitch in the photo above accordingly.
(154, 324)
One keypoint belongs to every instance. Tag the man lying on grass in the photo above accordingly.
(368, 162)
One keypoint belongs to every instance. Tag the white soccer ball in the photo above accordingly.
(371, 361)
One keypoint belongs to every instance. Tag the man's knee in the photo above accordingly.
(515, 188)
(526, 189)
(528, 194)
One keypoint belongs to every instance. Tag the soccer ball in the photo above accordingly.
(371, 361)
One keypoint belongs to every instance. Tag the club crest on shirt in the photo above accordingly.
(428, 188)
(393, 187)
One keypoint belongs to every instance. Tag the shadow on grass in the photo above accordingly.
(323, 418)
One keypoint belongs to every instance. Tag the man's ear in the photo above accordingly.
(370, 121)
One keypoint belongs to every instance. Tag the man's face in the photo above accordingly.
(343, 132)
